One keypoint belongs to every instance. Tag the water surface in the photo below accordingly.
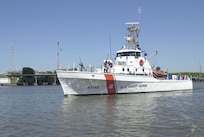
(41, 111)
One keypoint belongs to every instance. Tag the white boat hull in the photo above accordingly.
(88, 83)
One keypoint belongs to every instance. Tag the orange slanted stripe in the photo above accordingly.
(110, 84)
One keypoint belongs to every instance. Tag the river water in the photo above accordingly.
(43, 111)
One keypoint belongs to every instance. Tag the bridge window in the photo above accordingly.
(137, 54)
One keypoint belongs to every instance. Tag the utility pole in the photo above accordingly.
(200, 69)
(12, 64)
(58, 60)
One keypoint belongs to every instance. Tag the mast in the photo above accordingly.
(133, 34)
(139, 15)
(110, 47)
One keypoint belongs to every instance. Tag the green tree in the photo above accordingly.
(28, 77)
(27, 70)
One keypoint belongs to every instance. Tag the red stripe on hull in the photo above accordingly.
(110, 84)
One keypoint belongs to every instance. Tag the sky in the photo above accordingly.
(88, 29)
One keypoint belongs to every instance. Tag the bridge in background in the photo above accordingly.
(33, 79)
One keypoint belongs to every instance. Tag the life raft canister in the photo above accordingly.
(141, 62)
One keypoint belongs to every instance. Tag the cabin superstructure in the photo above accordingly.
(129, 59)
